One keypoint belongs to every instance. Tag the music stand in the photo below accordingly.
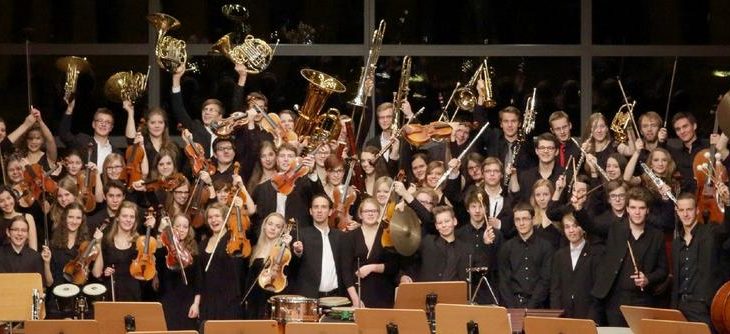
(321, 328)
(540, 325)
(413, 295)
(165, 332)
(452, 318)
(391, 321)
(634, 314)
(241, 326)
(16, 290)
(123, 317)
(62, 326)
(673, 327)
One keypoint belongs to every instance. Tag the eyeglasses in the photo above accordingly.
(337, 171)
(546, 148)
(617, 196)
(17, 229)
(374, 211)
(224, 148)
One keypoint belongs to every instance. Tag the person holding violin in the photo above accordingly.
(180, 296)
(156, 137)
(16, 257)
(377, 267)
(119, 253)
(103, 122)
(225, 156)
(373, 169)
(35, 142)
(177, 202)
(318, 254)
(22, 187)
(272, 230)
(265, 168)
(113, 194)
(385, 113)
(8, 208)
(66, 244)
(221, 274)
(158, 182)
(333, 187)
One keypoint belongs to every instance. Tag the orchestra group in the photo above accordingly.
(250, 207)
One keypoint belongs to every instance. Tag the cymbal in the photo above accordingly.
(723, 113)
(405, 231)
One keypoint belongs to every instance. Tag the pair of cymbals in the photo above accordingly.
(405, 231)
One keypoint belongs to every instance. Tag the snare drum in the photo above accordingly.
(66, 297)
(287, 308)
(330, 302)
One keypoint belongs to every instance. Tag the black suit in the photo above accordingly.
(307, 269)
(79, 141)
(196, 127)
(570, 288)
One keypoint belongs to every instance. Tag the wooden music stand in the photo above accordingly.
(16, 290)
(540, 325)
(62, 326)
(673, 327)
(452, 318)
(241, 326)
(413, 295)
(517, 316)
(377, 320)
(634, 315)
(321, 328)
(112, 317)
(165, 332)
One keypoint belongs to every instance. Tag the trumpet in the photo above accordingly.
(402, 93)
(253, 52)
(528, 124)
(368, 71)
(466, 96)
(126, 86)
(73, 66)
(169, 51)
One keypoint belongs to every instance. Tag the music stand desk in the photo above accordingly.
(321, 328)
(165, 332)
(413, 295)
(540, 325)
(16, 290)
(673, 327)
(241, 326)
(634, 314)
(147, 316)
(375, 320)
(62, 326)
(452, 318)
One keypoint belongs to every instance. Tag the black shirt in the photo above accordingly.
(524, 271)
(639, 246)
(683, 157)
(688, 261)
(25, 261)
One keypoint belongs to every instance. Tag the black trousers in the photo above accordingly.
(696, 311)
(619, 297)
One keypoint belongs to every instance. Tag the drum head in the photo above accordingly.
(273, 299)
(333, 301)
(94, 289)
(66, 290)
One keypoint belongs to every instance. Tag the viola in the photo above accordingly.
(417, 134)
(177, 258)
(195, 206)
(76, 271)
(272, 277)
(35, 183)
(134, 157)
(165, 183)
(271, 123)
(143, 267)
(238, 223)
(343, 198)
(87, 182)
(707, 171)
(285, 181)
(389, 211)
(195, 153)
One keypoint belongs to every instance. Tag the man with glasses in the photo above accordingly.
(560, 126)
(103, 123)
(547, 168)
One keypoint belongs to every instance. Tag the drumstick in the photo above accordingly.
(633, 260)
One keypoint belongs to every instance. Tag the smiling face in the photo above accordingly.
(561, 128)
(181, 194)
(74, 218)
(287, 121)
(546, 151)
(686, 131)
(649, 128)
(156, 125)
(7, 202)
(385, 118)
(102, 124)
(687, 212)
(214, 217)
(445, 223)
(165, 166)
(600, 130)
(211, 112)
(659, 162)
(14, 171)
(418, 167)
(73, 164)
(17, 233)
(367, 167)
(126, 219)
(382, 193)
(34, 140)
(181, 227)
(613, 169)
(65, 197)
(369, 213)
(433, 176)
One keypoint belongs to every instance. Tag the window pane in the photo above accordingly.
(66, 21)
(661, 22)
(48, 89)
(696, 88)
(480, 22)
(293, 22)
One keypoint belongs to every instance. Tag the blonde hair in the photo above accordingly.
(264, 245)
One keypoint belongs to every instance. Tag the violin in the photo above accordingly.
(238, 223)
(226, 126)
(35, 182)
(76, 271)
(195, 153)
(134, 157)
(87, 181)
(195, 207)
(178, 258)
(417, 134)
(167, 184)
(389, 211)
(343, 200)
(271, 123)
(708, 170)
(272, 277)
(285, 181)
(143, 267)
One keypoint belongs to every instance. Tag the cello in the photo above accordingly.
(143, 267)
(389, 211)
(238, 223)
(707, 171)
(272, 277)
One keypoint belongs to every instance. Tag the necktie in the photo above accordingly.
(562, 155)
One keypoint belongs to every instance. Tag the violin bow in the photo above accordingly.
(27, 74)
(671, 87)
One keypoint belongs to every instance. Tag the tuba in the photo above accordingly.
(402, 93)
(466, 96)
(368, 71)
(169, 51)
(253, 52)
(126, 86)
(321, 85)
(73, 66)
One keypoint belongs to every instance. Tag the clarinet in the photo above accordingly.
(35, 312)
(658, 182)
(513, 156)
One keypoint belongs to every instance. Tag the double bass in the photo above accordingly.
(272, 277)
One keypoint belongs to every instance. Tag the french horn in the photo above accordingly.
(169, 51)
(126, 86)
(252, 52)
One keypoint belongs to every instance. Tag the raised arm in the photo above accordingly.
(130, 130)
(51, 148)
(23, 128)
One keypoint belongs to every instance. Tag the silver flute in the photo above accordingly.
(598, 167)
(658, 182)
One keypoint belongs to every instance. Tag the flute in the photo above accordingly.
(598, 167)
(658, 182)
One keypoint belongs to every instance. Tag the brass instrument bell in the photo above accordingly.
(321, 86)
(73, 66)
(169, 51)
(255, 53)
(123, 86)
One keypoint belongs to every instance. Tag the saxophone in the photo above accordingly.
(658, 182)
(35, 313)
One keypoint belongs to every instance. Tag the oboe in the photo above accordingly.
(35, 312)
(658, 182)
(359, 286)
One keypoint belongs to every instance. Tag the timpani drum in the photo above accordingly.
(66, 297)
(290, 308)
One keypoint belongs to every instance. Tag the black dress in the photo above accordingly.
(378, 289)
(257, 301)
(126, 288)
(176, 296)
(220, 290)
(61, 256)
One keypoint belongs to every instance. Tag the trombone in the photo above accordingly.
(467, 96)
(368, 70)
